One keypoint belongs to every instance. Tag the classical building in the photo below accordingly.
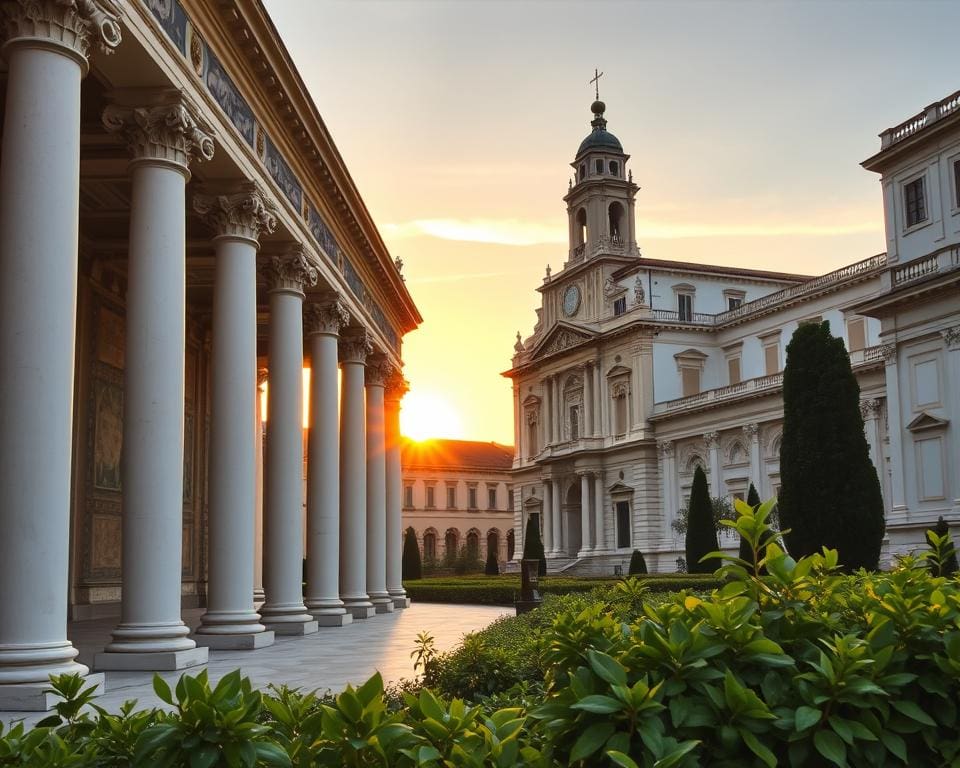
(175, 218)
(459, 493)
(639, 370)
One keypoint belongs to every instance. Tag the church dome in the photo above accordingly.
(600, 137)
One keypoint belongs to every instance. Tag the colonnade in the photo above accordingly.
(353, 531)
(593, 537)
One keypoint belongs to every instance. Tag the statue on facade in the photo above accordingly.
(639, 295)
(519, 345)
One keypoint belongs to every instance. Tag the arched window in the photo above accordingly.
(615, 214)
(493, 542)
(511, 544)
(473, 543)
(581, 226)
(430, 544)
(599, 166)
(614, 168)
(450, 543)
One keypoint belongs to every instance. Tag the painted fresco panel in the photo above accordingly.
(108, 435)
(225, 93)
(111, 337)
(173, 19)
(106, 545)
(282, 174)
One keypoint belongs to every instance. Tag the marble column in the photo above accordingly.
(547, 412)
(396, 389)
(355, 347)
(559, 540)
(668, 480)
(586, 546)
(258, 593)
(600, 540)
(752, 433)
(46, 47)
(712, 441)
(377, 371)
(898, 512)
(547, 518)
(322, 322)
(951, 340)
(165, 133)
(237, 218)
(287, 275)
(870, 411)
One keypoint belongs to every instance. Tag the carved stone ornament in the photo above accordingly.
(711, 439)
(326, 317)
(620, 389)
(561, 341)
(612, 288)
(639, 295)
(290, 271)
(951, 337)
(74, 25)
(870, 408)
(396, 386)
(355, 347)
(666, 448)
(531, 416)
(170, 130)
(518, 346)
(378, 371)
(752, 431)
(889, 352)
(244, 213)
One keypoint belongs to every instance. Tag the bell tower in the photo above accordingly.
(600, 200)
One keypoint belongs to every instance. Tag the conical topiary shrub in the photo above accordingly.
(533, 546)
(701, 530)
(830, 493)
(411, 567)
(637, 564)
(491, 567)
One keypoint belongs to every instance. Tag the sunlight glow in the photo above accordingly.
(425, 415)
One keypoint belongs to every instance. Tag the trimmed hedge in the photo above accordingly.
(503, 590)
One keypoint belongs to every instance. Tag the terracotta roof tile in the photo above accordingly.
(456, 454)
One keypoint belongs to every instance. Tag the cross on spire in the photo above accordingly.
(596, 81)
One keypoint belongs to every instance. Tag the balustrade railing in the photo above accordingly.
(936, 111)
(939, 261)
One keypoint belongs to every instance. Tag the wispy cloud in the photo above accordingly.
(497, 231)
(456, 278)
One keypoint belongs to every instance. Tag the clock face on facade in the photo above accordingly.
(571, 300)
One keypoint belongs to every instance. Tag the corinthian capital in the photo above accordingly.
(951, 337)
(378, 371)
(289, 270)
(355, 347)
(163, 127)
(397, 386)
(666, 448)
(244, 212)
(69, 25)
(711, 439)
(751, 431)
(327, 316)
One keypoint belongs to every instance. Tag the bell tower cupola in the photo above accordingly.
(601, 197)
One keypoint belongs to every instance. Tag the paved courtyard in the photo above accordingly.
(327, 660)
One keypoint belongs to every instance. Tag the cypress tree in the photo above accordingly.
(533, 546)
(701, 530)
(753, 501)
(411, 567)
(830, 493)
(491, 567)
(637, 564)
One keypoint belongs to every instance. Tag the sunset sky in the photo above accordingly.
(745, 122)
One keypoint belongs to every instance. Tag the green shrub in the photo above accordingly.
(411, 566)
(830, 494)
(753, 501)
(943, 552)
(701, 538)
(637, 564)
(533, 545)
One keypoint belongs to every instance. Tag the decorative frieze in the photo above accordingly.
(289, 271)
(73, 25)
(245, 213)
(326, 317)
(168, 129)
(355, 347)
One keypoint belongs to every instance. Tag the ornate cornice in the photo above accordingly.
(325, 317)
(951, 337)
(289, 271)
(355, 347)
(752, 431)
(378, 371)
(168, 129)
(245, 212)
(72, 26)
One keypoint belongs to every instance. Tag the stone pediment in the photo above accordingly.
(927, 421)
(532, 501)
(620, 488)
(561, 337)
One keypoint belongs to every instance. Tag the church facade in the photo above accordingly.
(639, 370)
(177, 230)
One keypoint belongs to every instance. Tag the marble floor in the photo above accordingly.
(328, 659)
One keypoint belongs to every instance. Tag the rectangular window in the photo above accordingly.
(734, 302)
(491, 498)
(619, 306)
(733, 369)
(771, 358)
(599, 166)
(431, 497)
(451, 497)
(956, 183)
(684, 306)
(472, 498)
(574, 423)
(915, 202)
(408, 496)
(690, 381)
(623, 524)
(510, 498)
(856, 335)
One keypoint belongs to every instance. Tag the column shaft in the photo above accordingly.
(397, 386)
(898, 512)
(258, 593)
(588, 407)
(376, 489)
(547, 515)
(586, 546)
(600, 544)
(559, 540)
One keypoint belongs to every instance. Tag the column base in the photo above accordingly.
(334, 619)
(37, 697)
(240, 642)
(399, 603)
(361, 611)
(156, 661)
(292, 627)
(384, 607)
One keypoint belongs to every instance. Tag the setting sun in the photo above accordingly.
(426, 414)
